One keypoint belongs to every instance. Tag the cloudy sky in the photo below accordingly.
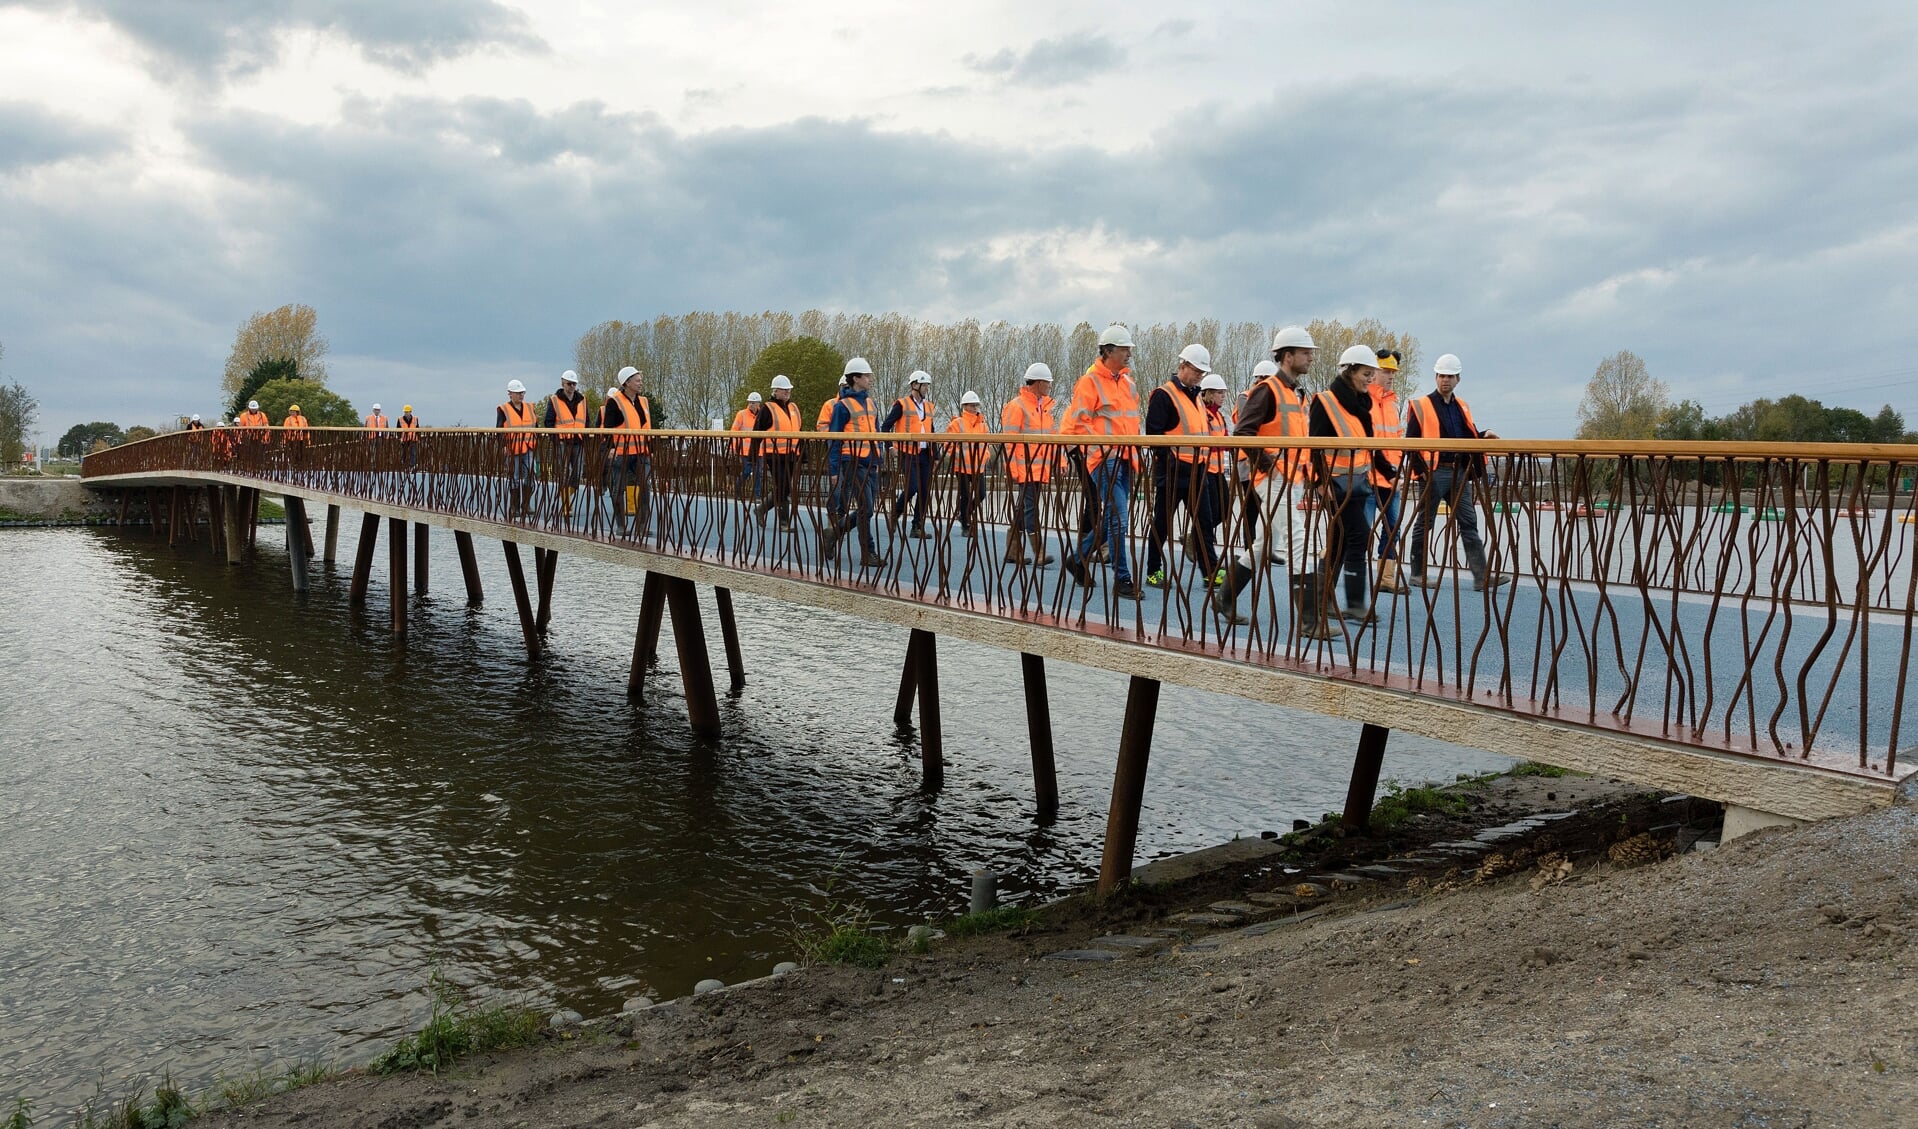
(461, 187)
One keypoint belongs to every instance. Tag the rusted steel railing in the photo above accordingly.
(1756, 600)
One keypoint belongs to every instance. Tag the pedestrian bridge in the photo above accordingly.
(1730, 621)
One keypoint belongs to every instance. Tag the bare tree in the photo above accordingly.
(1622, 400)
(1335, 337)
(290, 332)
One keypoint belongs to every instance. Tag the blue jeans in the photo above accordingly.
(1113, 482)
(1389, 529)
(855, 498)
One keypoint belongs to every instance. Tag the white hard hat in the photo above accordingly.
(511, 386)
(752, 398)
(782, 382)
(1265, 368)
(1359, 355)
(1211, 382)
(1292, 337)
(627, 373)
(1446, 365)
(376, 407)
(842, 381)
(1198, 356)
(1038, 370)
(569, 377)
(196, 419)
(255, 405)
(1116, 334)
(919, 376)
(858, 365)
(969, 398)
(613, 391)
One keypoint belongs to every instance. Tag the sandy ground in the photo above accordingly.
(1764, 983)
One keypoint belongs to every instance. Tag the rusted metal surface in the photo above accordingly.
(1742, 599)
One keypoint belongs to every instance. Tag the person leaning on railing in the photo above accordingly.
(1029, 465)
(1345, 476)
(777, 450)
(1447, 475)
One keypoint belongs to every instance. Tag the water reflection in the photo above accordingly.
(244, 824)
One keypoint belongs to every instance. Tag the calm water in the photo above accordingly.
(242, 827)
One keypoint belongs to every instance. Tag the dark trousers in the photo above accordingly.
(780, 470)
(855, 498)
(972, 491)
(1354, 537)
(918, 468)
(1451, 485)
(1174, 486)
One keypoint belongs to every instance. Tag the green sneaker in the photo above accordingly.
(1156, 578)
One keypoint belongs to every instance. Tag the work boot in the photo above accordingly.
(1389, 577)
(1308, 609)
(1015, 547)
(828, 542)
(1040, 558)
(763, 508)
(1076, 569)
(919, 534)
(1364, 617)
(869, 557)
(1486, 582)
(1127, 589)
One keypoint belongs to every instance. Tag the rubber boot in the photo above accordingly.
(1040, 558)
(1389, 577)
(1225, 597)
(1482, 578)
(1308, 607)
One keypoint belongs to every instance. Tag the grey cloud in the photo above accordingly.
(30, 136)
(1174, 29)
(217, 38)
(1532, 233)
(1051, 62)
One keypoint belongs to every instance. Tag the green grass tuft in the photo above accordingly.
(1003, 919)
(1401, 803)
(842, 934)
(458, 1027)
(1533, 768)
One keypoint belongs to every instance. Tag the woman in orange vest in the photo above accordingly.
(778, 451)
(630, 416)
(969, 461)
(1105, 405)
(517, 416)
(1388, 422)
(911, 414)
(749, 466)
(566, 415)
(1029, 465)
(1345, 476)
(1178, 473)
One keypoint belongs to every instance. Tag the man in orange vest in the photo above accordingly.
(1105, 405)
(1447, 477)
(1275, 407)
(377, 424)
(1029, 465)
(409, 425)
(969, 461)
(1178, 473)
(912, 414)
(517, 415)
(628, 413)
(295, 436)
(749, 463)
(856, 465)
(1388, 422)
(779, 417)
(1345, 476)
(566, 415)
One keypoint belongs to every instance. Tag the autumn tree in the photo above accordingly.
(289, 333)
(18, 410)
(812, 365)
(1335, 337)
(320, 405)
(140, 431)
(1622, 400)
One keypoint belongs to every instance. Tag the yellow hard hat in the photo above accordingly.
(407, 409)
(294, 408)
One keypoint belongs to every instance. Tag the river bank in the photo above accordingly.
(1560, 975)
